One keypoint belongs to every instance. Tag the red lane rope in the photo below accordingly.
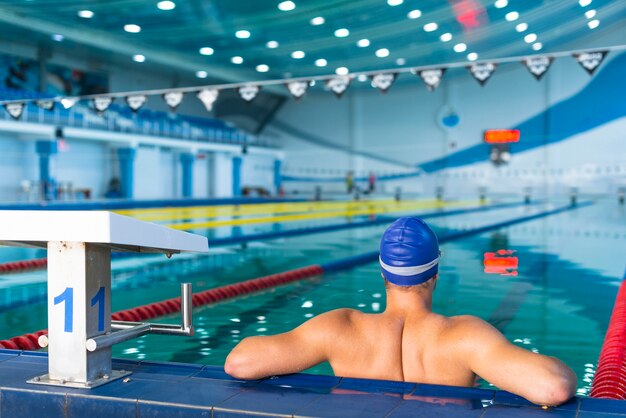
(610, 379)
(169, 306)
(15, 266)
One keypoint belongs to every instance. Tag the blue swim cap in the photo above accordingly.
(409, 252)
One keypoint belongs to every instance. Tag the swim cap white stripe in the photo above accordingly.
(408, 271)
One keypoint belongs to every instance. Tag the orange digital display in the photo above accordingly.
(501, 262)
(501, 136)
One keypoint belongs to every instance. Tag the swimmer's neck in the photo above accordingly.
(405, 302)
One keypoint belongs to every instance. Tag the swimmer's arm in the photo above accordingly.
(291, 352)
(541, 379)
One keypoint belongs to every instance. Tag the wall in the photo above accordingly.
(571, 132)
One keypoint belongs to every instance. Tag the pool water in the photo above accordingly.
(559, 303)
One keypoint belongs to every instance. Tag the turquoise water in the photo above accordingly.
(570, 267)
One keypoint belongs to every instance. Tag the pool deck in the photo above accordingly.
(158, 389)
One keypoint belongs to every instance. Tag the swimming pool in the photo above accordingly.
(559, 303)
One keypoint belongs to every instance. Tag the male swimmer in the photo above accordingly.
(407, 342)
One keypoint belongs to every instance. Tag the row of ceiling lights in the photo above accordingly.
(512, 16)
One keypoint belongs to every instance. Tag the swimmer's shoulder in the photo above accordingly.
(470, 329)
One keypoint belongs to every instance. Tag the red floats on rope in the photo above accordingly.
(169, 306)
(17, 266)
(610, 379)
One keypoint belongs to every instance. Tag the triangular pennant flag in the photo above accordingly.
(590, 61)
(46, 104)
(338, 85)
(15, 109)
(432, 78)
(538, 66)
(173, 99)
(482, 72)
(208, 97)
(248, 93)
(297, 88)
(101, 104)
(383, 81)
(68, 102)
(136, 102)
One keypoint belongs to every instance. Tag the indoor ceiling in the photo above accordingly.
(398, 33)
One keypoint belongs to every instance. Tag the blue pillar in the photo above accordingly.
(237, 176)
(186, 162)
(45, 149)
(277, 176)
(126, 158)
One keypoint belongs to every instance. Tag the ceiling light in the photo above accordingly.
(342, 33)
(593, 23)
(286, 6)
(414, 14)
(342, 71)
(236, 60)
(446, 37)
(57, 37)
(584, 3)
(537, 46)
(362, 78)
(297, 55)
(530, 38)
(262, 68)
(319, 20)
(202, 74)
(166, 5)
(272, 44)
(85, 14)
(363, 43)
(132, 28)
(521, 27)
(139, 58)
(511, 16)
(382, 53)
(460, 47)
(395, 2)
(430, 27)
(400, 61)
(321, 62)
(472, 56)
(590, 13)
(501, 3)
(242, 34)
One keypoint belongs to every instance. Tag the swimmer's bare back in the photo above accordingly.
(419, 347)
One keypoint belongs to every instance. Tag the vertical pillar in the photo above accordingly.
(126, 157)
(79, 307)
(237, 161)
(45, 149)
(186, 163)
(277, 176)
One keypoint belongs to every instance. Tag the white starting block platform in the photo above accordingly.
(79, 247)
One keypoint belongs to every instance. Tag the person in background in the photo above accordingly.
(350, 182)
(371, 182)
(408, 341)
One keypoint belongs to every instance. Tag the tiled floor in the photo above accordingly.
(187, 390)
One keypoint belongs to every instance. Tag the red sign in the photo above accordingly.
(501, 262)
(501, 136)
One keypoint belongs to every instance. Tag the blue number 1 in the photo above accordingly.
(99, 299)
(68, 297)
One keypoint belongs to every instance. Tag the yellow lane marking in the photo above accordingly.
(166, 214)
(400, 207)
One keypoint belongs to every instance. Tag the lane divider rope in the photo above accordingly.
(609, 381)
(210, 296)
